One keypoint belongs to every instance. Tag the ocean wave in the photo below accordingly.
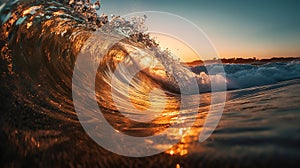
(41, 41)
(139, 88)
(239, 76)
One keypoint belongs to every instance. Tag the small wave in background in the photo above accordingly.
(240, 76)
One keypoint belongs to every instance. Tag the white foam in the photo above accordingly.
(240, 76)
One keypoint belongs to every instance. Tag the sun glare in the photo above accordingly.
(179, 48)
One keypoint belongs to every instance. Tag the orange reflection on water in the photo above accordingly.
(133, 98)
(192, 133)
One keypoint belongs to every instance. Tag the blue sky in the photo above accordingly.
(237, 28)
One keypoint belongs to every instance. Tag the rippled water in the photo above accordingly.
(259, 129)
(40, 42)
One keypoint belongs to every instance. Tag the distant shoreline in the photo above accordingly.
(252, 61)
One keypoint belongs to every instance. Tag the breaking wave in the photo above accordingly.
(40, 41)
(239, 76)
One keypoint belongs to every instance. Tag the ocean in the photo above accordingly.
(49, 58)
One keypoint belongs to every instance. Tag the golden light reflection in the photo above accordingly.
(191, 134)
(165, 111)
(117, 55)
(31, 10)
(29, 25)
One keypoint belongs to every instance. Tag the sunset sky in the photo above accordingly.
(257, 28)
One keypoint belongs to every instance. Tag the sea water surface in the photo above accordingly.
(259, 128)
(39, 127)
